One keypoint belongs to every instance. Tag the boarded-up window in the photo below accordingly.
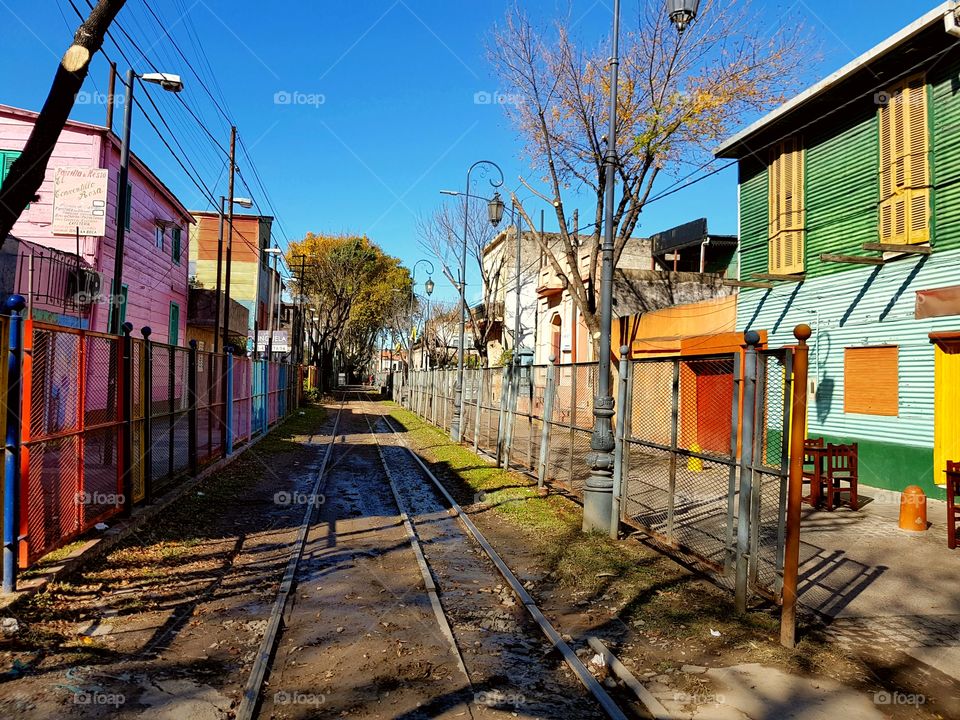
(787, 211)
(904, 166)
(871, 380)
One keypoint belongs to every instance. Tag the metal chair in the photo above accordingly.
(841, 469)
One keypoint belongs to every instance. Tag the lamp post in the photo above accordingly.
(598, 489)
(413, 297)
(492, 208)
(244, 203)
(428, 286)
(170, 83)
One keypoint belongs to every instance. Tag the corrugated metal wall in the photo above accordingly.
(866, 306)
(945, 118)
(842, 191)
(754, 210)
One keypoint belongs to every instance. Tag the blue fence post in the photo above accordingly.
(11, 459)
(228, 409)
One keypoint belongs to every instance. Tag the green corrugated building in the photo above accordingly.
(850, 222)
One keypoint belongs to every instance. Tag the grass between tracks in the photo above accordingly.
(675, 611)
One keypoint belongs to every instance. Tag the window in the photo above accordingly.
(904, 171)
(159, 232)
(786, 208)
(122, 299)
(176, 236)
(871, 380)
(173, 334)
(6, 162)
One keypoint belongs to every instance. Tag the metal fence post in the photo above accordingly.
(620, 437)
(171, 414)
(791, 560)
(548, 394)
(729, 556)
(674, 450)
(192, 408)
(12, 444)
(744, 513)
(511, 418)
(477, 415)
(146, 365)
(126, 428)
(501, 419)
(228, 408)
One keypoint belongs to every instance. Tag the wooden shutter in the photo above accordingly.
(786, 208)
(904, 166)
(871, 380)
(176, 239)
(6, 162)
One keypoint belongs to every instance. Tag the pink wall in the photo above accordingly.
(153, 279)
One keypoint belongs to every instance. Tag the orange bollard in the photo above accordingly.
(913, 509)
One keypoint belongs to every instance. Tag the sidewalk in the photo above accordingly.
(882, 585)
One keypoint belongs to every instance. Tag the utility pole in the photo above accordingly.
(226, 293)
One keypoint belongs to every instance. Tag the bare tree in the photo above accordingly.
(27, 172)
(442, 236)
(678, 95)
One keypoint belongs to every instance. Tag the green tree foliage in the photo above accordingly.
(354, 288)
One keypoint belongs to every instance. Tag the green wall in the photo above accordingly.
(842, 182)
(754, 224)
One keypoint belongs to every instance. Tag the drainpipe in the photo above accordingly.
(703, 254)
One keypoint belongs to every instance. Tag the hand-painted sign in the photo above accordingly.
(80, 201)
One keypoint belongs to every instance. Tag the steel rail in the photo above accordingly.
(573, 662)
(428, 581)
(254, 686)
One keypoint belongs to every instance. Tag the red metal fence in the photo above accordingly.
(87, 396)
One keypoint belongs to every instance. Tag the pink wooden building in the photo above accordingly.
(66, 268)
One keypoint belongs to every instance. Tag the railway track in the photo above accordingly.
(420, 582)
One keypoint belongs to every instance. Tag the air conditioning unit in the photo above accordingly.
(84, 286)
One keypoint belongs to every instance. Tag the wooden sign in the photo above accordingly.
(80, 201)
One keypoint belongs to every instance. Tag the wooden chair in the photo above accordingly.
(841, 469)
(812, 473)
(953, 511)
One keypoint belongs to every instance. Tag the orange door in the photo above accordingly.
(714, 405)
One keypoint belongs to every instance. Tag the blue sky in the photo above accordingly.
(380, 113)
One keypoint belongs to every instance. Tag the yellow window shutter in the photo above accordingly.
(919, 211)
(914, 100)
(886, 152)
(786, 206)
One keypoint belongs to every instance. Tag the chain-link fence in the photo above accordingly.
(680, 444)
(108, 422)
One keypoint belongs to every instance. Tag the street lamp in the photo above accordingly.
(413, 297)
(244, 203)
(428, 286)
(682, 12)
(171, 83)
(455, 426)
(598, 489)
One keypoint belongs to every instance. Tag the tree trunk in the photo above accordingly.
(27, 173)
